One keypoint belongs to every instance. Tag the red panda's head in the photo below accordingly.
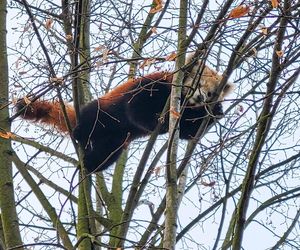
(205, 81)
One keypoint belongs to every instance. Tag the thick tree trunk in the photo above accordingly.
(9, 217)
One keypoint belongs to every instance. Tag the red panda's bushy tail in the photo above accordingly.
(47, 112)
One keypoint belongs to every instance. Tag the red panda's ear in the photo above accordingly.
(229, 87)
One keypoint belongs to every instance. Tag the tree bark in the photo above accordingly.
(9, 216)
(169, 240)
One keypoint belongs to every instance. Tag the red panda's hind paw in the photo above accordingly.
(95, 160)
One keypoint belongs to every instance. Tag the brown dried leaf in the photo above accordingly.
(274, 3)
(22, 73)
(208, 184)
(157, 170)
(57, 80)
(27, 27)
(166, 75)
(254, 52)
(49, 23)
(239, 110)
(158, 6)
(69, 38)
(17, 63)
(171, 57)
(147, 62)
(264, 30)
(99, 64)
(105, 54)
(17, 85)
(99, 48)
(156, 9)
(154, 30)
(174, 113)
(26, 100)
(239, 11)
(7, 135)
(4, 135)
(158, 2)
(279, 53)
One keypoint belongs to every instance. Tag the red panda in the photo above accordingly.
(130, 111)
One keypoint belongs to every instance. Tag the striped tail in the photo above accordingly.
(46, 112)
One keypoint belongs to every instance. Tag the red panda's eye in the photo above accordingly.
(208, 94)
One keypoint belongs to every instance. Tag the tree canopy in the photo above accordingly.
(236, 186)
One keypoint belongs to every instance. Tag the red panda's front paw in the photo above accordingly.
(218, 110)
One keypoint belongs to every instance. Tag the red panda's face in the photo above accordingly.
(206, 85)
(204, 81)
(210, 81)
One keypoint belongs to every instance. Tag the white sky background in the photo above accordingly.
(195, 202)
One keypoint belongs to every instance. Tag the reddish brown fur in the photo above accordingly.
(130, 86)
(131, 110)
(49, 113)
